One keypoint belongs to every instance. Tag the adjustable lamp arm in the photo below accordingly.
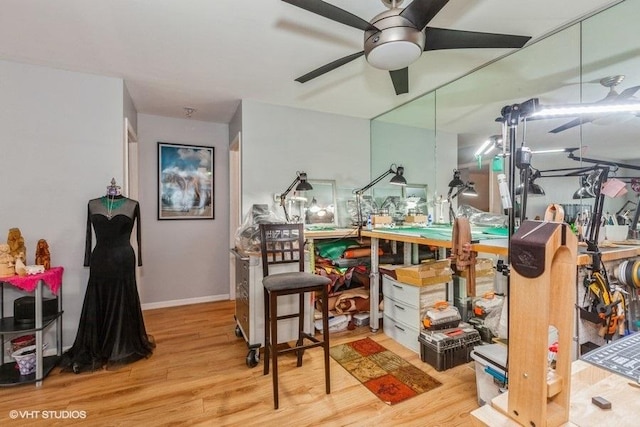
(377, 180)
(602, 162)
(359, 192)
(300, 178)
(460, 190)
(596, 218)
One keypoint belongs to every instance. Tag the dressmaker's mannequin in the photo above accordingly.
(111, 330)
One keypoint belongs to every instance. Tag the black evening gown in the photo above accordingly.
(111, 330)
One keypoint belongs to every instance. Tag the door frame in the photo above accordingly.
(235, 205)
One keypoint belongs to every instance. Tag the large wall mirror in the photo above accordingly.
(442, 130)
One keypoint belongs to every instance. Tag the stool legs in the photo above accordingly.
(267, 325)
(271, 337)
(325, 339)
(274, 345)
(300, 328)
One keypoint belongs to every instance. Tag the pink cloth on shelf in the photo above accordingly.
(52, 278)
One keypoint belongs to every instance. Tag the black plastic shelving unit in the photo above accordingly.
(9, 372)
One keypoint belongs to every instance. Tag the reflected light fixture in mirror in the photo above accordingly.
(313, 208)
(456, 181)
(533, 189)
(492, 143)
(585, 191)
(462, 188)
(470, 190)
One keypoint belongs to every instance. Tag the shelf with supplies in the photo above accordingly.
(21, 325)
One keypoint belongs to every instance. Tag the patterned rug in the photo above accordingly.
(383, 372)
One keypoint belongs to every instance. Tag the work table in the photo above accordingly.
(435, 236)
(609, 252)
(484, 240)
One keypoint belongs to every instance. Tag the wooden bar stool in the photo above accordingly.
(284, 244)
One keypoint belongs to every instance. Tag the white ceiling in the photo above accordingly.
(210, 54)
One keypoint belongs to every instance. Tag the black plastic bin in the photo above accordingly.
(448, 348)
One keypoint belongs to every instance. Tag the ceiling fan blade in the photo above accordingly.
(400, 79)
(628, 93)
(332, 12)
(328, 67)
(443, 38)
(421, 12)
(569, 125)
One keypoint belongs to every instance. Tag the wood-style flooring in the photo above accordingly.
(198, 376)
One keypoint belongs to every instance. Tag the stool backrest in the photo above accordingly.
(281, 244)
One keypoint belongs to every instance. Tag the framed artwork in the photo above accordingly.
(185, 181)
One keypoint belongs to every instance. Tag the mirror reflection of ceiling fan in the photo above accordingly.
(613, 97)
(396, 38)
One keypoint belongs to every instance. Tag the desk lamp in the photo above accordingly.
(585, 191)
(397, 179)
(303, 185)
(461, 187)
(533, 189)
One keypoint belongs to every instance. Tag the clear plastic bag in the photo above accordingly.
(247, 237)
(478, 217)
(368, 206)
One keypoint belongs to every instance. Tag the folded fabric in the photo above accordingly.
(334, 249)
(352, 300)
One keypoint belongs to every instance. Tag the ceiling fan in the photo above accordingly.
(396, 38)
(612, 97)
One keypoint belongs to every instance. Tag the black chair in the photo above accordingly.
(284, 244)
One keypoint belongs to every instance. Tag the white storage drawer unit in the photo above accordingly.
(404, 306)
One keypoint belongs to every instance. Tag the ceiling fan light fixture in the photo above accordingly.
(394, 55)
(394, 44)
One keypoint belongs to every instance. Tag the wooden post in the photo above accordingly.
(543, 276)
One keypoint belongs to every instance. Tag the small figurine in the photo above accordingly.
(16, 244)
(43, 257)
(6, 261)
(21, 269)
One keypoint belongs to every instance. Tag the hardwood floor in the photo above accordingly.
(198, 376)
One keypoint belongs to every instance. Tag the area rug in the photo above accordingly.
(383, 372)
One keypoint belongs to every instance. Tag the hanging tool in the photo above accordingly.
(606, 305)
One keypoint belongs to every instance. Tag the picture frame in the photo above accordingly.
(185, 181)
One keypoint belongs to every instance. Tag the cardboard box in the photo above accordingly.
(427, 273)
(381, 220)
(484, 268)
(415, 219)
(422, 281)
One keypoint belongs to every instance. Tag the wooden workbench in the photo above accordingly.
(439, 236)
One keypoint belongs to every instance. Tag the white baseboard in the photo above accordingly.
(188, 301)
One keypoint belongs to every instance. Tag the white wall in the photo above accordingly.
(411, 147)
(278, 141)
(60, 145)
(184, 261)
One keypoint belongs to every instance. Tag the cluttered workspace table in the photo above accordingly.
(490, 240)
